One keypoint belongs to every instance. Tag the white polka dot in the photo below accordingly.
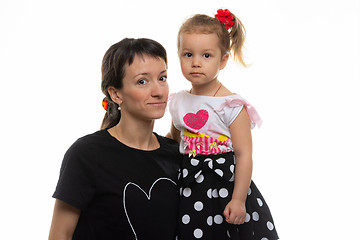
(259, 202)
(218, 219)
(187, 192)
(232, 168)
(220, 160)
(219, 172)
(209, 193)
(247, 217)
(198, 233)
(223, 192)
(200, 178)
(197, 174)
(249, 191)
(198, 206)
(194, 162)
(210, 165)
(270, 225)
(209, 220)
(264, 238)
(232, 178)
(185, 172)
(255, 216)
(215, 193)
(186, 219)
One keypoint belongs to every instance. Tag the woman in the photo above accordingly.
(120, 182)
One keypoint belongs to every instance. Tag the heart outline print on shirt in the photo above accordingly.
(196, 121)
(147, 195)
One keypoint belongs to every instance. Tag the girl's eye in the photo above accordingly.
(206, 55)
(188, 54)
(163, 78)
(142, 82)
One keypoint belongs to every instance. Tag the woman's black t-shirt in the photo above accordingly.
(122, 192)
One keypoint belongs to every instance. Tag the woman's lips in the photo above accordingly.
(157, 103)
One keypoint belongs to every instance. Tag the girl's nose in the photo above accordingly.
(196, 62)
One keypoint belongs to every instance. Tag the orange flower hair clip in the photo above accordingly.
(225, 17)
(105, 103)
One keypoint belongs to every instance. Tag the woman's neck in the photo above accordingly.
(135, 134)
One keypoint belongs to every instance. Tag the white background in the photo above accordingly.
(304, 81)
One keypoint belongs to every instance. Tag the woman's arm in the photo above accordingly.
(65, 219)
(240, 131)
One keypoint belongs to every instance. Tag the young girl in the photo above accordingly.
(213, 126)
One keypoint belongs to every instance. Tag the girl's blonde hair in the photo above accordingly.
(229, 42)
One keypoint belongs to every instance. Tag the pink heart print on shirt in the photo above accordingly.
(196, 121)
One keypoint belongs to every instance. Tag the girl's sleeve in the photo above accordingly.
(174, 102)
(76, 184)
(232, 108)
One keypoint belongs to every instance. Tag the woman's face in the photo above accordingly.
(145, 90)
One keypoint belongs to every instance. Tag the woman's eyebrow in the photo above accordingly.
(146, 74)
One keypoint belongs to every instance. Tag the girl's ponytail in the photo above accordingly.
(237, 37)
(237, 34)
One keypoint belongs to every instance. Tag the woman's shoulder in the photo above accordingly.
(89, 140)
(93, 137)
(165, 141)
(168, 145)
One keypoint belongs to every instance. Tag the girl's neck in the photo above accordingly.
(135, 134)
(208, 89)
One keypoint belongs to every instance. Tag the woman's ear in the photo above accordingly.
(224, 61)
(115, 95)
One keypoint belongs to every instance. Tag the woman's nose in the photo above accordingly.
(158, 89)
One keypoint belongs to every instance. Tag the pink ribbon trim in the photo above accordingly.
(235, 102)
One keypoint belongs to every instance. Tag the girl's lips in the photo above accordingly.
(196, 74)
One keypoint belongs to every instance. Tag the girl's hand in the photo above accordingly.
(235, 212)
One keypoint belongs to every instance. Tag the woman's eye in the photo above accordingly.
(163, 78)
(142, 82)
(188, 54)
(206, 55)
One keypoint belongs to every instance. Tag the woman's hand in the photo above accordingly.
(235, 212)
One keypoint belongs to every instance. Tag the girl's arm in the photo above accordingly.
(174, 133)
(240, 130)
(65, 219)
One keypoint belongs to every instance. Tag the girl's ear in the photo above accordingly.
(224, 61)
(115, 95)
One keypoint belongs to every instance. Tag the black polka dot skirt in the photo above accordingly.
(207, 185)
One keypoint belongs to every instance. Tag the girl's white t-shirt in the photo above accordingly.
(204, 121)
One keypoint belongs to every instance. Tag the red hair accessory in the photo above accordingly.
(225, 17)
(105, 103)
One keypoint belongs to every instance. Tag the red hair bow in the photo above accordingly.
(225, 17)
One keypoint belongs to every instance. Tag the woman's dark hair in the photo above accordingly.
(114, 63)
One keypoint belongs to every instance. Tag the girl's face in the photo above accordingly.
(145, 89)
(200, 57)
